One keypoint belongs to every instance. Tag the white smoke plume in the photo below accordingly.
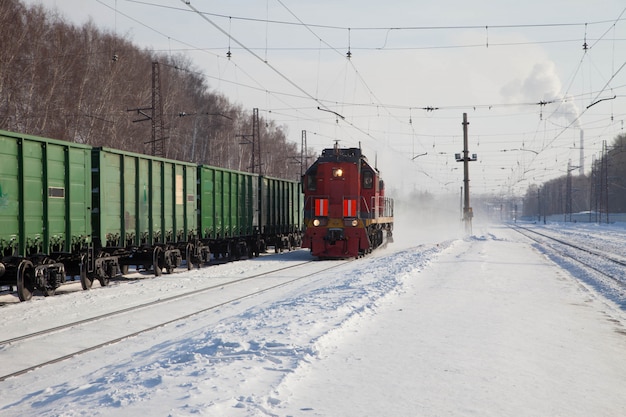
(543, 85)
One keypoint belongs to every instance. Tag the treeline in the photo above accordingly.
(601, 192)
(77, 84)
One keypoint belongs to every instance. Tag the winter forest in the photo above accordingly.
(83, 85)
(601, 192)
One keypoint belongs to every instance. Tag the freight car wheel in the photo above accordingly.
(157, 254)
(189, 250)
(48, 292)
(25, 280)
(85, 281)
(104, 281)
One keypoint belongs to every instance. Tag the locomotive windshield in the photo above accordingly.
(311, 180)
(368, 179)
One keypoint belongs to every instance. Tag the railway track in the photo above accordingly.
(55, 344)
(73, 284)
(608, 265)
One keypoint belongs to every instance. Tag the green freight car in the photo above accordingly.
(229, 222)
(69, 210)
(145, 215)
(280, 212)
(45, 211)
(244, 213)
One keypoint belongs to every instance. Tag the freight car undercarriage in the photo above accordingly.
(47, 273)
(110, 262)
(36, 272)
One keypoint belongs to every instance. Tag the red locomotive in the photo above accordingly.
(346, 213)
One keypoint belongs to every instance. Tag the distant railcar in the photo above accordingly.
(346, 213)
(228, 219)
(280, 211)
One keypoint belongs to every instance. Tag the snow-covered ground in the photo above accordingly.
(436, 324)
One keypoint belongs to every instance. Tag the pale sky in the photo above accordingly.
(413, 71)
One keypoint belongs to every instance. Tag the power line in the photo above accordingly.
(391, 109)
(382, 28)
(270, 66)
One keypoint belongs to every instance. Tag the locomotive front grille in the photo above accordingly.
(334, 234)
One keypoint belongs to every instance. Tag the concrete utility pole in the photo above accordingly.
(467, 209)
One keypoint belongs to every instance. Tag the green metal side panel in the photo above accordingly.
(243, 196)
(281, 215)
(55, 214)
(255, 198)
(44, 194)
(219, 203)
(279, 220)
(244, 203)
(276, 193)
(295, 206)
(79, 196)
(109, 197)
(152, 202)
(293, 196)
(210, 207)
(230, 213)
(253, 210)
(167, 199)
(206, 192)
(289, 196)
(225, 203)
(271, 222)
(281, 205)
(32, 197)
(228, 202)
(129, 207)
(298, 206)
(67, 183)
(262, 203)
(182, 215)
(179, 202)
(233, 207)
(9, 197)
(155, 201)
(191, 204)
(142, 203)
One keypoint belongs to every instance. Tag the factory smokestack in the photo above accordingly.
(581, 169)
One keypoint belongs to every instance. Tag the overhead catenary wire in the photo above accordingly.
(308, 26)
(268, 64)
(387, 28)
(397, 109)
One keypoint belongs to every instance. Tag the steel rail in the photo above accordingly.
(601, 255)
(165, 323)
(142, 306)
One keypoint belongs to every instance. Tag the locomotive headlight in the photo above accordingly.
(355, 222)
(316, 222)
(337, 172)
